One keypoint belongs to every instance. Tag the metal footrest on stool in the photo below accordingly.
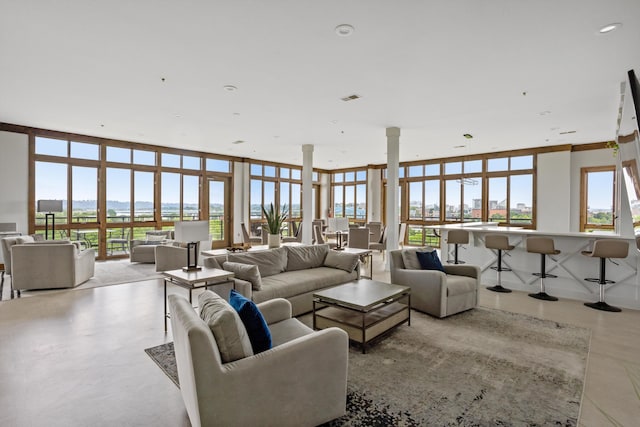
(596, 280)
(550, 276)
(495, 268)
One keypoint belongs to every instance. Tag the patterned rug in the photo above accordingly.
(479, 368)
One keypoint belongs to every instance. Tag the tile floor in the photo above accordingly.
(75, 358)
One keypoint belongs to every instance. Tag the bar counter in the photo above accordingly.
(570, 265)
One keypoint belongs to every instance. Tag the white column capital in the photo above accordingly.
(307, 148)
(393, 132)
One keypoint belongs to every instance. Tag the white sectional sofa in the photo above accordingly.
(290, 272)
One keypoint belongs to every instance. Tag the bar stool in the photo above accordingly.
(457, 237)
(500, 243)
(544, 247)
(603, 249)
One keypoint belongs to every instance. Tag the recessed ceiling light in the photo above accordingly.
(236, 114)
(238, 142)
(351, 97)
(610, 27)
(230, 88)
(344, 30)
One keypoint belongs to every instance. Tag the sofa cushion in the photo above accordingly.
(253, 320)
(287, 330)
(211, 262)
(24, 239)
(458, 285)
(227, 327)
(410, 258)
(303, 257)
(270, 262)
(292, 283)
(247, 272)
(430, 261)
(346, 262)
(151, 238)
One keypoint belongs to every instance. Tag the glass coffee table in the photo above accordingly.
(364, 309)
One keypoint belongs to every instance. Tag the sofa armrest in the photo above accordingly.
(275, 310)
(85, 265)
(136, 242)
(463, 270)
(244, 287)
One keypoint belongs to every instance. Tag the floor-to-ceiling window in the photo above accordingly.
(349, 195)
(113, 192)
(278, 184)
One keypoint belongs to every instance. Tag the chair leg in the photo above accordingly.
(499, 270)
(1, 285)
(602, 281)
(542, 295)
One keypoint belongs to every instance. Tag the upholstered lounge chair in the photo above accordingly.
(301, 381)
(50, 265)
(434, 292)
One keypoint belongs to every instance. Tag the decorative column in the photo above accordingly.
(393, 161)
(307, 192)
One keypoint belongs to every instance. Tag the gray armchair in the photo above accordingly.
(301, 381)
(50, 265)
(435, 292)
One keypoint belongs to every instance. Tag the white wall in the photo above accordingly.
(554, 190)
(14, 179)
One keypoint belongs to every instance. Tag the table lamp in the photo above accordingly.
(49, 206)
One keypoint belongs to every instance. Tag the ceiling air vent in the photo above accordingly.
(351, 98)
(568, 131)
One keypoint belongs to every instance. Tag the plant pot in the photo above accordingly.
(273, 240)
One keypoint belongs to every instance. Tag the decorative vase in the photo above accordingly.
(273, 240)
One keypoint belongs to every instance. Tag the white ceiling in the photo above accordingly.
(514, 74)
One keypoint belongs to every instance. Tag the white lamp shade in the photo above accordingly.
(49, 206)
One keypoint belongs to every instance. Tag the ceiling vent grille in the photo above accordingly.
(566, 132)
(351, 98)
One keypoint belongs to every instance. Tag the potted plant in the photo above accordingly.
(275, 221)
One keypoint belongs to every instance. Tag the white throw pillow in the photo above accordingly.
(247, 272)
(226, 326)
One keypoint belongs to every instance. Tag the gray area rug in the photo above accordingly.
(121, 271)
(479, 368)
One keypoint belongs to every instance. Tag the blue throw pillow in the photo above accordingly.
(430, 261)
(253, 321)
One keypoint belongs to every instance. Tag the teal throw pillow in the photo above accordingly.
(253, 321)
(430, 261)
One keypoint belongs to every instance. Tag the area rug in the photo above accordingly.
(478, 368)
(122, 271)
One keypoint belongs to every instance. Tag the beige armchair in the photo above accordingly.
(50, 265)
(434, 292)
(301, 381)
